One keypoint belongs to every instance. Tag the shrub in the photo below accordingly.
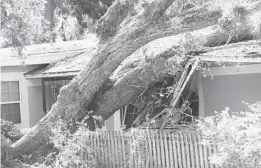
(71, 149)
(9, 131)
(9, 135)
(237, 137)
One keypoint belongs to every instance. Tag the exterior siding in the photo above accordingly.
(114, 122)
(16, 74)
(109, 123)
(230, 91)
(35, 104)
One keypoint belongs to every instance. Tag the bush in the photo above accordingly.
(9, 131)
(9, 135)
(237, 137)
(70, 149)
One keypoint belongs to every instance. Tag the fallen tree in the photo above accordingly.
(108, 81)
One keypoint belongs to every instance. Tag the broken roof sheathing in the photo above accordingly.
(245, 52)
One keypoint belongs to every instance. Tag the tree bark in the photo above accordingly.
(122, 31)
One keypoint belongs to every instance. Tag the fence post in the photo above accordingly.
(167, 148)
(192, 151)
(200, 151)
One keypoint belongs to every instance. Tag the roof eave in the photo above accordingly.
(51, 75)
(237, 59)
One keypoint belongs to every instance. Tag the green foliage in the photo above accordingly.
(22, 22)
(25, 22)
(93, 8)
(70, 150)
(9, 135)
(72, 147)
(237, 137)
(76, 17)
(9, 132)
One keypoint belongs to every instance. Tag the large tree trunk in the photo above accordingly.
(123, 30)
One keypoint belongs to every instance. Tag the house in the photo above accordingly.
(226, 76)
(229, 75)
(233, 77)
(30, 83)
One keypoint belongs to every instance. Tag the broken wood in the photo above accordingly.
(179, 89)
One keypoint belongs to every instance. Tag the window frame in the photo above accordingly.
(48, 82)
(14, 102)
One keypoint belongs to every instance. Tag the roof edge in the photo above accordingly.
(51, 75)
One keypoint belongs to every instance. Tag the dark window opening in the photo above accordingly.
(51, 89)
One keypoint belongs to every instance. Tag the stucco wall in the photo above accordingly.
(114, 122)
(109, 123)
(35, 104)
(229, 91)
(15, 73)
(31, 105)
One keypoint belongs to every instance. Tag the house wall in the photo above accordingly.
(229, 87)
(30, 95)
(114, 122)
(35, 101)
(109, 123)
(31, 103)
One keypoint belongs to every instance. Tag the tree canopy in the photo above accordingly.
(42, 21)
(22, 22)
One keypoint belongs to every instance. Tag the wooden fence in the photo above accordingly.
(150, 149)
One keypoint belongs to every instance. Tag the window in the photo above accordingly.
(10, 101)
(128, 115)
(51, 89)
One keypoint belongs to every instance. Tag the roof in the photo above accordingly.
(70, 66)
(247, 51)
(45, 53)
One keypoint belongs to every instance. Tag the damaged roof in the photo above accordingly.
(248, 51)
